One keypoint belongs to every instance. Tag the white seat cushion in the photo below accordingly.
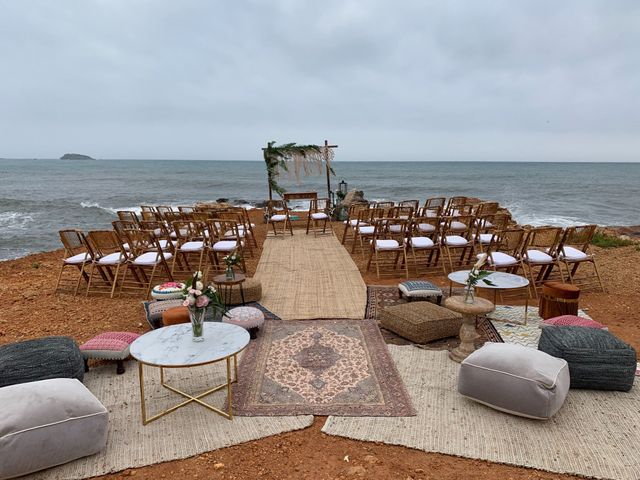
(165, 244)
(368, 230)
(484, 238)
(458, 225)
(231, 234)
(319, 216)
(500, 259)
(426, 227)
(278, 218)
(536, 256)
(353, 223)
(111, 259)
(421, 242)
(395, 228)
(573, 254)
(225, 246)
(78, 259)
(150, 258)
(387, 245)
(192, 246)
(455, 241)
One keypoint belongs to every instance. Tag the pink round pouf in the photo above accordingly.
(249, 318)
(109, 346)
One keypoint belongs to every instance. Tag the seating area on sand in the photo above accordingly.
(423, 361)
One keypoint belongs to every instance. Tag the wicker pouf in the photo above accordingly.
(249, 318)
(40, 359)
(109, 346)
(252, 289)
(558, 299)
(420, 290)
(597, 359)
(421, 322)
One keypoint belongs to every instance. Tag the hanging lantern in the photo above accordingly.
(343, 188)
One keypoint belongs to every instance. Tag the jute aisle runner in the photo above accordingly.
(186, 432)
(595, 434)
(307, 277)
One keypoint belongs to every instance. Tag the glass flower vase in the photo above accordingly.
(469, 294)
(197, 323)
(229, 273)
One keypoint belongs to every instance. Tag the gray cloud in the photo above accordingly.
(432, 80)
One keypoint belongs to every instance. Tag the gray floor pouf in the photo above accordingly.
(597, 359)
(40, 359)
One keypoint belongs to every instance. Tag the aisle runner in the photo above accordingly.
(594, 434)
(307, 277)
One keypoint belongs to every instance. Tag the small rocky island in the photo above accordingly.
(75, 156)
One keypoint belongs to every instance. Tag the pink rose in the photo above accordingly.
(202, 301)
(185, 303)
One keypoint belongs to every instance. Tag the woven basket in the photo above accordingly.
(252, 292)
(421, 322)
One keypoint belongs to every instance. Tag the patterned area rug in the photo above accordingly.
(320, 367)
(508, 321)
(379, 297)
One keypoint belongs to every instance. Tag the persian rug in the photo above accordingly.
(595, 433)
(186, 432)
(320, 367)
(379, 297)
(308, 277)
(508, 321)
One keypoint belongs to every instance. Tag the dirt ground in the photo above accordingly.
(29, 308)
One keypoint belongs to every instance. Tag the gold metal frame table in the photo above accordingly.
(173, 347)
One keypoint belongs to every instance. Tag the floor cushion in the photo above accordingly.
(597, 359)
(109, 346)
(40, 359)
(421, 322)
(167, 291)
(175, 315)
(48, 423)
(249, 318)
(420, 289)
(515, 379)
(571, 321)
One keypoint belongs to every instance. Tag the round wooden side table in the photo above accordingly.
(225, 284)
(468, 333)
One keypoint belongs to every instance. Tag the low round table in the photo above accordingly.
(500, 280)
(173, 347)
(225, 284)
(469, 312)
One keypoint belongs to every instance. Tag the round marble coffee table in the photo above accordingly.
(173, 347)
(500, 280)
(468, 333)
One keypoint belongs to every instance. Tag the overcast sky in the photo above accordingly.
(407, 80)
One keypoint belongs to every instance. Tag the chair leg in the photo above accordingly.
(344, 234)
(82, 274)
(59, 277)
(115, 280)
(93, 268)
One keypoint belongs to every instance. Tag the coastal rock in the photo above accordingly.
(352, 197)
(222, 200)
(75, 156)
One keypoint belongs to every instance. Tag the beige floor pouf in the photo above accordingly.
(421, 322)
(48, 423)
(252, 292)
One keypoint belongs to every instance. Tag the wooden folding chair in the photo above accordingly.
(278, 212)
(224, 240)
(108, 257)
(541, 252)
(146, 258)
(319, 211)
(456, 237)
(352, 219)
(574, 250)
(77, 255)
(422, 238)
(388, 246)
(190, 243)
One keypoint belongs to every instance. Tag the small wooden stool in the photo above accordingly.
(558, 299)
(108, 346)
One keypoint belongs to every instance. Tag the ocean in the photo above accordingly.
(40, 197)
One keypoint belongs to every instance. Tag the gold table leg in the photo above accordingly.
(190, 398)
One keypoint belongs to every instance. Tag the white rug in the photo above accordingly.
(595, 434)
(509, 322)
(183, 433)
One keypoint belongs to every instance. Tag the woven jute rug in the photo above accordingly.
(320, 367)
(188, 431)
(595, 434)
(380, 296)
(306, 277)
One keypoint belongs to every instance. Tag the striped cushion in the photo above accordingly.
(572, 321)
(109, 345)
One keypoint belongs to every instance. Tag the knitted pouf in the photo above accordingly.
(108, 346)
(597, 359)
(40, 359)
(249, 318)
(421, 322)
